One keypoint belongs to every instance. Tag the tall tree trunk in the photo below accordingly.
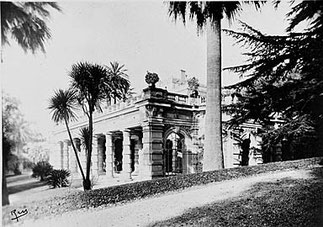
(213, 154)
(87, 183)
(5, 195)
(5, 156)
(19, 155)
(75, 151)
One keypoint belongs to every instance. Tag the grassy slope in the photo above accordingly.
(118, 194)
(286, 202)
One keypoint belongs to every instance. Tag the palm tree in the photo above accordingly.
(118, 80)
(26, 22)
(63, 105)
(208, 15)
(93, 84)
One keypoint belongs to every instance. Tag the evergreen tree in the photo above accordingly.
(283, 77)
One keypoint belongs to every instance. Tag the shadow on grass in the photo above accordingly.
(285, 202)
(26, 186)
(16, 178)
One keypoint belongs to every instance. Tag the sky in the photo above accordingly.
(138, 34)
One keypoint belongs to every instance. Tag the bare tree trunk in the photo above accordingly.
(20, 158)
(5, 195)
(213, 154)
(75, 151)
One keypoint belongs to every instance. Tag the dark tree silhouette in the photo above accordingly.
(283, 78)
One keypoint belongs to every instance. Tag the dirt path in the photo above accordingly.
(150, 210)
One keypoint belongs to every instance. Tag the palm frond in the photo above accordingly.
(63, 105)
(306, 10)
(177, 10)
(117, 84)
(201, 12)
(25, 21)
(85, 138)
(87, 80)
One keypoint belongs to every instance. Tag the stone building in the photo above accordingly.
(155, 134)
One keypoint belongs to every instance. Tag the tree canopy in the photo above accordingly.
(283, 77)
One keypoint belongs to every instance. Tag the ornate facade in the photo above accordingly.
(156, 134)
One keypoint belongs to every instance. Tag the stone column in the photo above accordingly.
(126, 153)
(60, 155)
(174, 154)
(152, 152)
(71, 160)
(101, 148)
(94, 157)
(109, 157)
(77, 143)
(138, 148)
(66, 154)
(82, 155)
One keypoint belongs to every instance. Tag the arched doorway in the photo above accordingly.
(173, 153)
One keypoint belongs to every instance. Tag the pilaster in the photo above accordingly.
(152, 159)
(77, 144)
(101, 150)
(60, 156)
(109, 155)
(138, 148)
(126, 153)
(94, 156)
(72, 160)
(66, 155)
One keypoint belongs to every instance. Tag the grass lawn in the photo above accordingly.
(259, 207)
(286, 202)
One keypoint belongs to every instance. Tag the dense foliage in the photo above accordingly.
(15, 129)
(57, 178)
(25, 22)
(42, 170)
(283, 80)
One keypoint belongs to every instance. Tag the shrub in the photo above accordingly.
(28, 164)
(58, 178)
(13, 164)
(42, 170)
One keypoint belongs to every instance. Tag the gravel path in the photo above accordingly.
(148, 211)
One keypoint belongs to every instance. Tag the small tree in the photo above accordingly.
(117, 82)
(93, 84)
(42, 170)
(63, 104)
(14, 134)
(58, 178)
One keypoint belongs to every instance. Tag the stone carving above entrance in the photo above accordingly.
(154, 111)
(179, 129)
